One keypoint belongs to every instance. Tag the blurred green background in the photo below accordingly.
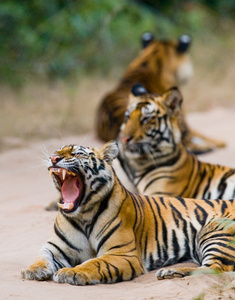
(57, 55)
(62, 38)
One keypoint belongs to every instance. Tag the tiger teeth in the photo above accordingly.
(65, 205)
(53, 170)
(64, 174)
(60, 205)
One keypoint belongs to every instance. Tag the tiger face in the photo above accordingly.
(151, 125)
(76, 173)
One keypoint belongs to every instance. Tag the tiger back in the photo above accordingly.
(105, 234)
(154, 156)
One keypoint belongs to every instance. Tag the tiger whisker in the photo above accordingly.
(148, 152)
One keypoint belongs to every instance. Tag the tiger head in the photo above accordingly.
(151, 126)
(166, 63)
(82, 175)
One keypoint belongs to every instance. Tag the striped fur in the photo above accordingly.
(111, 235)
(158, 67)
(153, 154)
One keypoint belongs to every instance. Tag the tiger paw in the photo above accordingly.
(52, 206)
(35, 272)
(71, 276)
(169, 274)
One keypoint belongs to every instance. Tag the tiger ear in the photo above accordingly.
(173, 99)
(146, 39)
(109, 151)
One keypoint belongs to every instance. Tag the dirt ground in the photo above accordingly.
(25, 226)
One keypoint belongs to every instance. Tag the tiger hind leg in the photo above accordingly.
(217, 245)
(170, 273)
(177, 272)
(199, 144)
(216, 251)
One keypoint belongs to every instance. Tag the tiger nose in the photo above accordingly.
(55, 159)
(126, 139)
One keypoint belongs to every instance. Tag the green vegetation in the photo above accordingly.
(62, 38)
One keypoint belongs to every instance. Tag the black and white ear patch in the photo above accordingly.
(146, 39)
(184, 43)
(138, 90)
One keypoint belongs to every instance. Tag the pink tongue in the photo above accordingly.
(70, 190)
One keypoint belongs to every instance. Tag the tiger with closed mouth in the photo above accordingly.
(105, 234)
(153, 154)
(159, 66)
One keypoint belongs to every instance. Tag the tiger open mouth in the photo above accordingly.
(71, 188)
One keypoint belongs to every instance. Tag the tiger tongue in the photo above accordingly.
(70, 190)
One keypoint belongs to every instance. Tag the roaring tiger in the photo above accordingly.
(153, 154)
(105, 234)
(159, 66)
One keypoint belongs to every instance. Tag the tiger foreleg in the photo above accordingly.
(50, 260)
(198, 143)
(40, 270)
(106, 269)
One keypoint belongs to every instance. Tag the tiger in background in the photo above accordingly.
(153, 154)
(159, 66)
(105, 234)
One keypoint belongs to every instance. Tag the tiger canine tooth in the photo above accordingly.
(50, 172)
(60, 205)
(65, 205)
(63, 174)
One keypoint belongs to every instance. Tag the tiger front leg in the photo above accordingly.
(106, 269)
(49, 261)
(41, 269)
